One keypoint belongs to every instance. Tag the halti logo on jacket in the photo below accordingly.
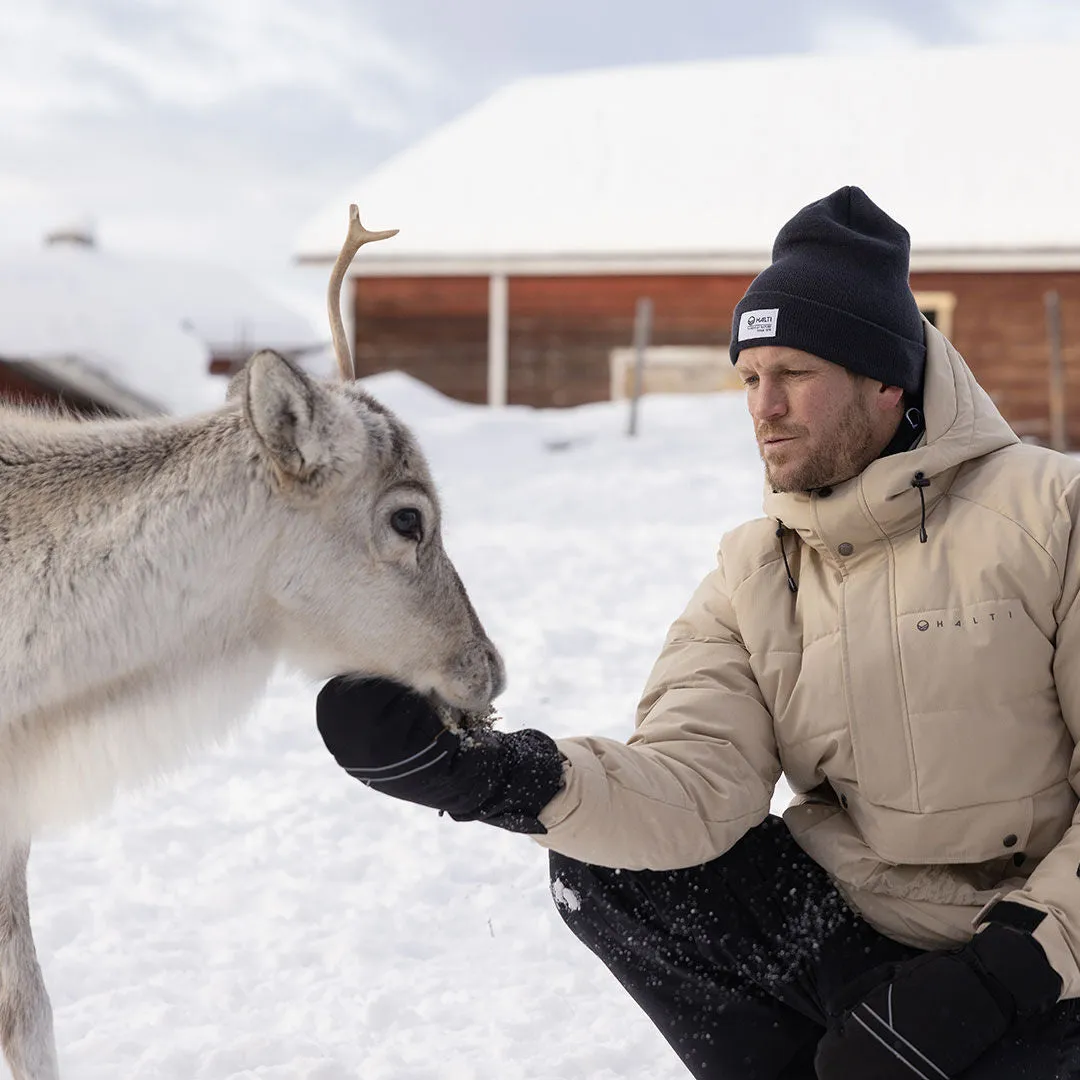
(968, 620)
(755, 324)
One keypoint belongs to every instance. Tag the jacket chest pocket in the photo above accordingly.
(983, 714)
(985, 654)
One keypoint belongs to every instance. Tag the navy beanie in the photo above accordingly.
(838, 287)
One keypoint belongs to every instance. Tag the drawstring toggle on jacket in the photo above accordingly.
(919, 481)
(781, 528)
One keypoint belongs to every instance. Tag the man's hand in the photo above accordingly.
(393, 740)
(935, 1015)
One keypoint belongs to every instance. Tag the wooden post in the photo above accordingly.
(642, 333)
(1059, 430)
(498, 339)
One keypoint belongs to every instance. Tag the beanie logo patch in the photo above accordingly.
(758, 324)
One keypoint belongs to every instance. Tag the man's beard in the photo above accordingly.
(844, 453)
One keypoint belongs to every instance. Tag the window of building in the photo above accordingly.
(938, 308)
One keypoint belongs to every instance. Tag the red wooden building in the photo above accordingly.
(531, 225)
(68, 382)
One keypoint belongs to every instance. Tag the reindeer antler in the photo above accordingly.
(356, 237)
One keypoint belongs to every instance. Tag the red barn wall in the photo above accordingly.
(15, 387)
(999, 326)
(435, 329)
(562, 329)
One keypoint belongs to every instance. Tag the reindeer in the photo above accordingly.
(154, 572)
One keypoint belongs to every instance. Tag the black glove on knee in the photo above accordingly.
(937, 1014)
(392, 739)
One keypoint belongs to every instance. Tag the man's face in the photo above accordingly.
(815, 422)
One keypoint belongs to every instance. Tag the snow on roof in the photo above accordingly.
(973, 149)
(225, 308)
(143, 325)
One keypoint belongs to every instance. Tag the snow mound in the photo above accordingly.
(412, 399)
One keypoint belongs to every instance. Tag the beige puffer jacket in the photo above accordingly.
(922, 699)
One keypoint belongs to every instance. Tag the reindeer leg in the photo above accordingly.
(26, 1029)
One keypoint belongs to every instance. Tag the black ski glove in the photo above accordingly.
(394, 740)
(935, 1015)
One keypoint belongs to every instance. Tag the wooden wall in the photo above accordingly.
(562, 329)
(999, 326)
(435, 329)
(17, 388)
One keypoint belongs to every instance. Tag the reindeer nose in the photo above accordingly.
(476, 677)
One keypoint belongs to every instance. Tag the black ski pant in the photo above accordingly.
(740, 962)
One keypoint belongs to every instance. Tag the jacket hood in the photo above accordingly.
(962, 424)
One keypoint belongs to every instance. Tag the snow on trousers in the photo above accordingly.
(741, 962)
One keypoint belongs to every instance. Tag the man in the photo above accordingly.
(899, 637)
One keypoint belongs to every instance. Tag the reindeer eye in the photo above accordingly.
(408, 523)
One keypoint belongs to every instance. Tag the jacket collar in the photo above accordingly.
(962, 423)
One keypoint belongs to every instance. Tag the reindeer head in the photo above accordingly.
(362, 580)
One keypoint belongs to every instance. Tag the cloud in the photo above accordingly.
(198, 127)
(843, 31)
(111, 59)
(1019, 21)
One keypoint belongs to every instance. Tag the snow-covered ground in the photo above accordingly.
(261, 915)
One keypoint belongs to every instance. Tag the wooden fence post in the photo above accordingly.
(1059, 429)
(642, 334)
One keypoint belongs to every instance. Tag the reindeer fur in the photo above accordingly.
(153, 573)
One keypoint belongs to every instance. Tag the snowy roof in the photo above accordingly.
(93, 319)
(226, 309)
(975, 150)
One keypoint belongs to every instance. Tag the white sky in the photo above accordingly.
(216, 129)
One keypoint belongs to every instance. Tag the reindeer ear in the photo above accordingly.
(290, 414)
(237, 385)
